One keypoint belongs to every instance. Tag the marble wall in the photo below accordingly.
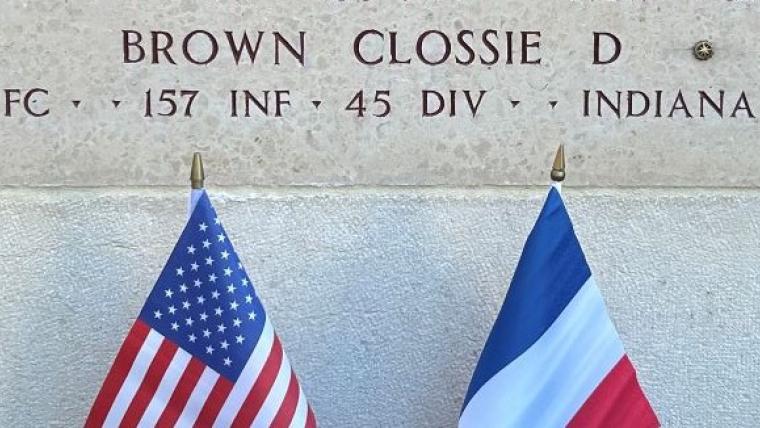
(382, 246)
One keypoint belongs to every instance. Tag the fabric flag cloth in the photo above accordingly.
(202, 352)
(553, 357)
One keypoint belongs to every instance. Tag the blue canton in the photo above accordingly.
(203, 301)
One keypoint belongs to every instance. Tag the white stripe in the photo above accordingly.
(548, 383)
(197, 398)
(192, 201)
(134, 379)
(165, 388)
(247, 377)
(276, 395)
(302, 411)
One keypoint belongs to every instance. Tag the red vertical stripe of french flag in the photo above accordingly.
(619, 389)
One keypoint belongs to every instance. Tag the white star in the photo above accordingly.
(227, 272)
(239, 339)
(209, 350)
(189, 321)
(218, 311)
(204, 316)
(234, 305)
(221, 327)
(183, 288)
(245, 282)
(172, 309)
(201, 300)
(224, 344)
(180, 271)
(225, 254)
(191, 337)
(197, 283)
(206, 244)
(240, 266)
(215, 294)
(185, 305)
(194, 266)
(216, 220)
(221, 237)
(251, 315)
(206, 332)
(191, 249)
(231, 288)
(236, 322)
(248, 299)
(212, 277)
(209, 261)
(169, 293)
(202, 227)
(157, 314)
(227, 361)
(175, 326)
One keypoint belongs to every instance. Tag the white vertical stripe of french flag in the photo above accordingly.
(550, 381)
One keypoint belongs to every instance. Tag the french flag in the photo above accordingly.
(553, 357)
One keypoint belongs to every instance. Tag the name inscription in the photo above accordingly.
(487, 49)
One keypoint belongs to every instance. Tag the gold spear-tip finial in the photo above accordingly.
(558, 168)
(196, 172)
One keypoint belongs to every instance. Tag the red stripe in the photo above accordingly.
(214, 403)
(288, 407)
(181, 394)
(311, 421)
(617, 402)
(258, 393)
(119, 370)
(149, 385)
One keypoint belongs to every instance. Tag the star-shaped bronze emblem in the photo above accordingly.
(703, 50)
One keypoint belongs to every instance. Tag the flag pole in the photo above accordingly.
(558, 168)
(196, 182)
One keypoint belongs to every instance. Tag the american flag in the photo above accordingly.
(202, 352)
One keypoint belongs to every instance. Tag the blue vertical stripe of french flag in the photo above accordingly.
(553, 357)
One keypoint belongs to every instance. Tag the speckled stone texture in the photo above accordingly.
(382, 247)
(74, 49)
(383, 297)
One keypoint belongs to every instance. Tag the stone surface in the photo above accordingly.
(382, 247)
(74, 50)
(383, 297)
